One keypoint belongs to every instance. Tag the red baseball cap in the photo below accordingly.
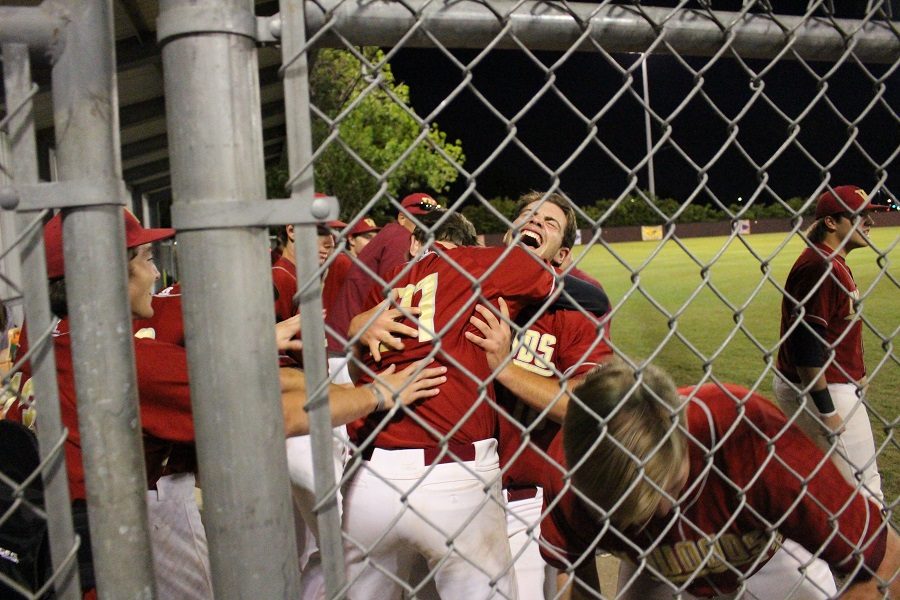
(419, 204)
(845, 198)
(135, 235)
(362, 226)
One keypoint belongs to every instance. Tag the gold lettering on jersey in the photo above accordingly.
(427, 304)
(698, 558)
(534, 352)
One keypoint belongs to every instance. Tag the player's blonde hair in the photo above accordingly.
(622, 437)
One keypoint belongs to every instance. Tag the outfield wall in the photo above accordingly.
(692, 230)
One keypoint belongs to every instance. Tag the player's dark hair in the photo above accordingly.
(445, 227)
(59, 304)
(571, 228)
(623, 441)
(818, 231)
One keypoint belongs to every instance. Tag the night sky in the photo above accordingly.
(553, 132)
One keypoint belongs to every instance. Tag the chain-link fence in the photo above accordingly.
(664, 141)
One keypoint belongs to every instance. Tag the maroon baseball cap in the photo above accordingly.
(419, 204)
(135, 235)
(845, 198)
(362, 226)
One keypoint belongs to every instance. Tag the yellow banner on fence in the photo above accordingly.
(653, 232)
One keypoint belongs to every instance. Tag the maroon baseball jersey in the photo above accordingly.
(747, 474)
(384, 252)
(284, 278)
(447, 299)
(163, 395)
(831, 304)
(167, 321)
(560, 343)
(334, 280)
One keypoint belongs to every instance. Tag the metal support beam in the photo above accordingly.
(39, 27)
(299, 135)
(85, 109)
(217, 157)
(559, 26)
(17, 80)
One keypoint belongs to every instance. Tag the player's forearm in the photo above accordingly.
(814, 375)
(887, 576)
(349, 403)
(585, 581)
(536, 391)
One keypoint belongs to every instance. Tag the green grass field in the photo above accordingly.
(710, 307)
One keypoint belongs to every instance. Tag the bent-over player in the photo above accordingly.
(705, 492)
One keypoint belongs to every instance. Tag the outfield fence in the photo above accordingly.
(215, 144)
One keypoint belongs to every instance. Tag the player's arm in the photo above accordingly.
(348, 403)
(586, 583)
(536, 391)
(810, 355)
(887, 577)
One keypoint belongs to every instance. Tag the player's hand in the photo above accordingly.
(411, 384)
(833, 424)
(379, 325)
(497, 340)
(286, 331)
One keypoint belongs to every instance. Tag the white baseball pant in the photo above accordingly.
(303, 493)
(854, 455)
(535, 579)
(178, 539)
(397, 508)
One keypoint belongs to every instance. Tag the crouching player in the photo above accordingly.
(705, 492)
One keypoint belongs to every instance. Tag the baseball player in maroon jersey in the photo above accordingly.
(821, 376)
(284, 270)
(358, 238)
(427, 481)
(705, 492)
(386, 251)
(177, 536)
(554, 348)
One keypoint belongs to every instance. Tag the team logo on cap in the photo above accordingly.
(369, 222)
(429, 201)
(861, 193)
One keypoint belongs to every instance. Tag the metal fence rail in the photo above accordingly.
(216, 158)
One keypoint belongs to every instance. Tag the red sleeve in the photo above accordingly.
(518, 276)
(163, 390)
(814, 279)
(799, 490)
(584, 344)
(567, 531)
(286, 284)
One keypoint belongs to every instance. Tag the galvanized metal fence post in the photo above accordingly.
(85, 110)
(24, 170)
(215, 139)
(299, 137)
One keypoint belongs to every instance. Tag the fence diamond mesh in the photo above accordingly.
(652, 381)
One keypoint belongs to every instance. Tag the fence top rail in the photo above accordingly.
(542, 25)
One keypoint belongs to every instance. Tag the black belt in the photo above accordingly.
(431, 456)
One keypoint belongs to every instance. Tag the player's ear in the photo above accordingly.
(414, 246)
(560, 258)
(290, 232)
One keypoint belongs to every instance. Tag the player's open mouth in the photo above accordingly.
(531, 239)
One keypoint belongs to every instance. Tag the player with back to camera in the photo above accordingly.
(705, 491)
(821, 353)
(431, 474)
